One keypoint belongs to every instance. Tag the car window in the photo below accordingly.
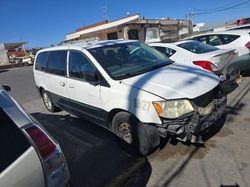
(57, 62)
(202, 39)
(197, 47)
(124, 60)
(165, 50)
(79, 65)
(214, 40)
(226, 38)
(41, 61)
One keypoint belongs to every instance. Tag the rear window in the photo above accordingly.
(41, 60)
(197, 47)
(57, 62)
(13, 142)
(226, 39)
(165, 50)
(202, 39)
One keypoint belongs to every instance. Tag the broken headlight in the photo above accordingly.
(173, 108)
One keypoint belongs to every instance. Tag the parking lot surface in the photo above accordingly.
(224, 160)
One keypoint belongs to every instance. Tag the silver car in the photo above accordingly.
(29, 155)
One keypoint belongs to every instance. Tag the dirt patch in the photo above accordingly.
(180, 149)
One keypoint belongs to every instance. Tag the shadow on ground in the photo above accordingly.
(236, 105)
(94, 155)
(4, 70)
(246, 73)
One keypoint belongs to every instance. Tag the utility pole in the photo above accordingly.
(190, 21)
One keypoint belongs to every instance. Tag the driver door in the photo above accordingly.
(84, 96)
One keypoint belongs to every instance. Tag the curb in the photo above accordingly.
(8, 66)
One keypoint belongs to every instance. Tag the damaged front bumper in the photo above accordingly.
(192, 124)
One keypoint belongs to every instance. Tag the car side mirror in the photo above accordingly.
(92, 78)
(7, 88)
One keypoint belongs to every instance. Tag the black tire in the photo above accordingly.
(131, 126)
(48, 102)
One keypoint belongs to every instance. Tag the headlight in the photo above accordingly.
(173, 109)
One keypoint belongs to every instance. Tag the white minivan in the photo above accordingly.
(129, 88)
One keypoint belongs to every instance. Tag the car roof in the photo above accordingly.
(172, 44)
(243, 31)
(5, 99)
(183, 41)
(88, 44)
(239, 27)
(13, 109)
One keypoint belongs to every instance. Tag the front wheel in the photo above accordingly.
(128, 128)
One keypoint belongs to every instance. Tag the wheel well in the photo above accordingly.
(40, 90)
(113, 112)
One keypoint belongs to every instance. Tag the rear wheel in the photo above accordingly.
(47, 102)
(126, 126)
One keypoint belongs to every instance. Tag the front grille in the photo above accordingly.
(206, 98)
(179, 121)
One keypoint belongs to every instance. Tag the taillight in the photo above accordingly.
(42, 142)
(248, 45)
(205, 65)
(54, 164)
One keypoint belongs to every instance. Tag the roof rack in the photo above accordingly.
(83, 42)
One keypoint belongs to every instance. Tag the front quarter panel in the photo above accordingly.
(133, 100)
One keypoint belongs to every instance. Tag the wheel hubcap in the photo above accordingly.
(47, 101)
(125, 132)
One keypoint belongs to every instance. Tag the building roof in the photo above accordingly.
(15, 45)
(101, 27)
(92, 25)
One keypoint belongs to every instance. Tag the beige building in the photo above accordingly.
(134, 27)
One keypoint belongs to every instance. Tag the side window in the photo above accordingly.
(41, 61)
(226, 39)
(79, 65)
(57, 62)
(202, 39)
(166, 51)
(214, 40)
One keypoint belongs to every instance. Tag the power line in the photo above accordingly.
(222, 9)
(217, 8)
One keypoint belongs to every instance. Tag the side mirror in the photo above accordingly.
(7, 88)
(92, 78)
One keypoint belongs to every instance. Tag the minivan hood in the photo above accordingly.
(175, 81)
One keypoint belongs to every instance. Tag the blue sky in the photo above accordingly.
(46, 22)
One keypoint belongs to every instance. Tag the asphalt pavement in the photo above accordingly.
(224, 160)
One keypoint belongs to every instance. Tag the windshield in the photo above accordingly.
(197, 47)
(124, 60)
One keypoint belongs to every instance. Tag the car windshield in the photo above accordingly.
(124, 60)
(197, 47)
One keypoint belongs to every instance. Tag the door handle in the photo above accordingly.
(62, 84)
(71, 86)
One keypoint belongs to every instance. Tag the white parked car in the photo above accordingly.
(129, 88)
(29, 155)
(239, 40)
(197, 53)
